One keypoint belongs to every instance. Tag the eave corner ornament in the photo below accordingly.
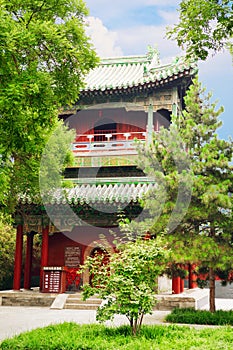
(153, 56)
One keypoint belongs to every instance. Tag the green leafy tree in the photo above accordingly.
(56, 156)
(44, 57)
(127, 283)
(7, 246)
(191, 205)
(204, 25)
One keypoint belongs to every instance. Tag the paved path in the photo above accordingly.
(18, 319)
(15, 320)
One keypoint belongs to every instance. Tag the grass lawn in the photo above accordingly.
(71, 336)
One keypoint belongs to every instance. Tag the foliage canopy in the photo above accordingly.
(44, 56)
(204, 26)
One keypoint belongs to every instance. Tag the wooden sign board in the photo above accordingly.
(72, 257)
(52, 281)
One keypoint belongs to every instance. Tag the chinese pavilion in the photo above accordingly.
(124, 99)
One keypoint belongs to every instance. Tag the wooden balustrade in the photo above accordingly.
(107, 141)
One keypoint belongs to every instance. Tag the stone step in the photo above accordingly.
(27, 301)
(81, 306)
(74, 301)
(74, 296)
(80, 301)
(194, 298)
(79, 296)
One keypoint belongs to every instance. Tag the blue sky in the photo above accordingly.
(127, 27)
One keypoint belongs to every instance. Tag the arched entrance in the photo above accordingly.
(102, 256)
(105, 126)
(90, 249)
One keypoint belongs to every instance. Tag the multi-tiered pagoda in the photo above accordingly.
(124, 99)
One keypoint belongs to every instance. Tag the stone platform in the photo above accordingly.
(26, 298)
(196, 298)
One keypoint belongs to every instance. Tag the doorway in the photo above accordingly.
(103, 259)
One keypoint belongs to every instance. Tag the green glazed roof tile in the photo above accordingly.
(129, 71)
(91, 193)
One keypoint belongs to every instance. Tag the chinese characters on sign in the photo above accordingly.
(72, 257)
(53, 279)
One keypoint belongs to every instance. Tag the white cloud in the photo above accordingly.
(169, 17)
(104, 41)
(114, 11)
(131, 41)
(135, 40)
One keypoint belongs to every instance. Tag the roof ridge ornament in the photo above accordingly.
(153, 56)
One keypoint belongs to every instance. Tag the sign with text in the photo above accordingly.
(72, 256)
(54, 279)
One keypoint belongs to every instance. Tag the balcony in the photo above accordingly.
(100, 143)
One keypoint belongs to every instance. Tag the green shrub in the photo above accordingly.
(192, 316)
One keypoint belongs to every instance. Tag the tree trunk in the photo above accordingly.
(131, 323)
(141, 318)
(212, 289)
(135, 324)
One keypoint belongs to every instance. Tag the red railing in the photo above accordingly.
(107, 141)
(110, 135)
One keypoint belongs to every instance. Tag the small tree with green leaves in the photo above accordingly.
(127, 283)
(191, 205)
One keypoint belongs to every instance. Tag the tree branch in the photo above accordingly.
(33, 13)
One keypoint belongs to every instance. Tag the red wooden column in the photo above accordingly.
(181, 285)
(28, 261)
(18, 257)
(44, 252)
(182, 266)
(176, 285)
(192, 277)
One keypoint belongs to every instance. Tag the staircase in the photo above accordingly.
(74, 301)
(26, 298)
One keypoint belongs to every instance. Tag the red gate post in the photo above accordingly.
(182, 266)
(44, 252)
(18, 257)
(181, 285)
(176, 285)
(28, 261)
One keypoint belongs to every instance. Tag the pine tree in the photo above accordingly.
(192, 205)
